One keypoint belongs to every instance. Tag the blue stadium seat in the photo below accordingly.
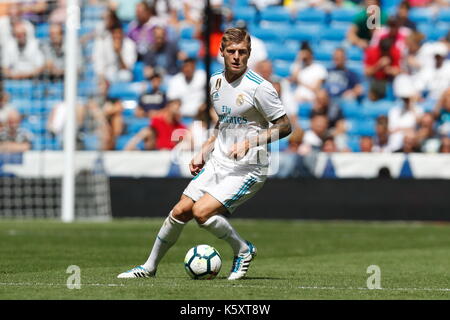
(357, 67)
(248, 14)
(344, 15)
(335, 34)
(304, 110)
(351, 109)
(35, 124)
(266, 34)
(282, 68)
(134, 125)
(361, 127)
(91, 141)
(354, 53)
(373, 109)
(421, 15)
(187, 33)
(92, 12)
(190, 47)
(277, 52)
(122, 141)
(353, 143)
(126, 90)
(311, 15)
(304, 123)
(42, 30)
(443, 15)
(302, 33)
(138, 71)
(276, 13)
(438, 32)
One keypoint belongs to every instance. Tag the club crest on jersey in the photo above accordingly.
(240, 99)
(218, 83)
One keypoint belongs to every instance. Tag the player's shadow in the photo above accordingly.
(257, 278)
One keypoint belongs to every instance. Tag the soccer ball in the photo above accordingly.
(202, 262)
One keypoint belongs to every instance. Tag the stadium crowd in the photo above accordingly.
(347, 86)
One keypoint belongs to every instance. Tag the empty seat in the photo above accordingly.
(126, 90)
(282, 68)
(443, 15)
(304, 110)
(335, 34)
(343, 15)
(421, 15)
(275, 13)
(248, 14)
(311, 15)
(373, 109)
(190, 47)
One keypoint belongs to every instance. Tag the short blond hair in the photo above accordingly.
(235, 35)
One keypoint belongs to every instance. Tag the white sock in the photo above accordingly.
(220, 227)
(167, 236)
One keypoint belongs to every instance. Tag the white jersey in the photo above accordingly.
(245, 107)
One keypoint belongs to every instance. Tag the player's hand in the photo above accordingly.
(196, 164)
(239, 150)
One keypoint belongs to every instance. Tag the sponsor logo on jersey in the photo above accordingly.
(215, 96)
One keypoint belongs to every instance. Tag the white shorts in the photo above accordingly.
(230, 186)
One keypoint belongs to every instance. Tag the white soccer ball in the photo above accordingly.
(202, 262)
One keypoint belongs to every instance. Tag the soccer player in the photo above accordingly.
(232, 164)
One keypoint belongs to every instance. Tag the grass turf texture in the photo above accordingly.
(296, 260)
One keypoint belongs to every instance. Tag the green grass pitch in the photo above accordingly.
(296, 260)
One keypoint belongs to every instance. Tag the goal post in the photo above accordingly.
(51, 135)
(70, 97)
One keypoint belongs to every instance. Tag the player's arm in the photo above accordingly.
(199, 159)
(281, 128)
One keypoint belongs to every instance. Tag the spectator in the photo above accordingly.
(402, 16)
(329, 146)
(307, 75)
(445, 145)
(323, 106)
(54, 54)
(410, 143)
(359, 33)
(404, 118)
(412, 61)
(441, 113)
(366, 144)
(159, 135)
(428, 139)
(314, 137)
(393, 30)
(7, 22)
(428, 50)
(167, 11)
(381, 65)
(152, 101)
(434, 80)
(103, 29)
(381, 140)
(140, 30)
(114, 57)
(58, 14)
(342, 82)
(162, 57)
(189, 87)
(13, 138)
(5, 108)
(282, 86)
(22, 58)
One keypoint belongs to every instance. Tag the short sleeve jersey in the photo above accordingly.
(245, 107)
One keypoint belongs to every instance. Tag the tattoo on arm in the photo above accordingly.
(281, 128)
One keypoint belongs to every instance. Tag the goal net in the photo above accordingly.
(33, 112)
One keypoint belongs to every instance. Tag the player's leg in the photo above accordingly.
(207, 212)
(166, 238)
